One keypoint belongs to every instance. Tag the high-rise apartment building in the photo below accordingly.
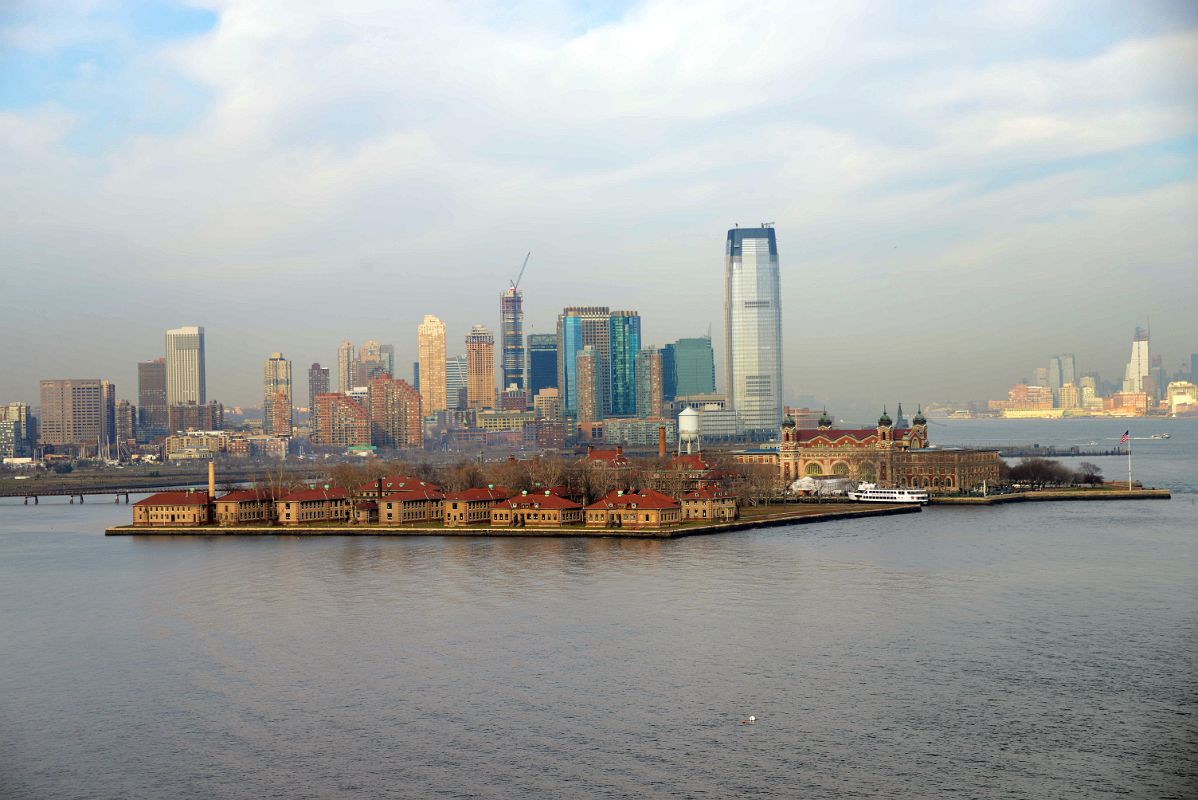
(753, 328)
(19, 428)
(345, 365)
(318, 383)
(588, 386)
(430, 346)
(342, 421)
(624, 342)
(548, 405)
(78, 413)
(151, 399)
(277, 397)
(455, 382)
(650, 380)
(124, 421)
(480, 368)
(511, 337)
(542, 362)
(185, 377)
(1139, 363)
(579, 327)
(396, 415)
(209, 416)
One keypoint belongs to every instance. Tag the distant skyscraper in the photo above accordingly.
(430, 346)
(1068, 368)
(78, 413)
(649, 382)
(693, 367)
(19, 428)
(480, 368)
(511, 335)
(577, 327)
(277, 397)
(587, 391)
(542, 362)
(455, 381)
(1139, 363)
(345, 365)
(396, 419)
(1054, 378)
(318, 383)
(753, 327)
(624, 343)
(387, 355)
(151, 399)
(185, 379)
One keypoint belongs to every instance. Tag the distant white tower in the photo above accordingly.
(689, 429)
(185, 378)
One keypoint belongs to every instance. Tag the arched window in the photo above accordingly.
(867, 471)
(840, 468)
(814, 469)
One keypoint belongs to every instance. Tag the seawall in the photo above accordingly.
(1054, 496)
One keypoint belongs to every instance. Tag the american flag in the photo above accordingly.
(1123, 439)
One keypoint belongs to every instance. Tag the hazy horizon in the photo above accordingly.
(959, 193)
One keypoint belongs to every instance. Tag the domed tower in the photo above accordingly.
(885, 429)
(919, 429)
(825, 422)
(788, 450)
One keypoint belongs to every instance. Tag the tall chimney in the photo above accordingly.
(211, 481)
(661, 441)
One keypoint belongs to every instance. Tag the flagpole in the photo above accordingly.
(1129, 463)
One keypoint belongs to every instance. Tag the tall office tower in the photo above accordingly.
(753, 328)
(480, 368)
(396, 415)
(548, 405)
(78, 413)
(430, 347)
(370, 352)
(345, 366)
(511, 336)
(455, 382)
(193, 417)
(416, 374)
(1068, 368)
(387, 356)
(693, 367)
(1041, 376)
(151, 399)
(318, 383)
(368, 365)
(650, 380)
(185, 380)
(542, 362)
(624, 342)
(277, 397)
(577, 327)
(1138, 364)
(587, 366)
(1054, 379)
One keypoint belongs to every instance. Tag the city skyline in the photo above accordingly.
(925, 166)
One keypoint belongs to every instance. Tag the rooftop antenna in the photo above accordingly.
(516, 283)
(767, 224)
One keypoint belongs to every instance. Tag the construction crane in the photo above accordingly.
(516, 283)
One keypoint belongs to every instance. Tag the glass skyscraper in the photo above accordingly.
(542, 363)
(578, 326)
(624, 343)
(692, 367)
(511, 337)
(753, 328)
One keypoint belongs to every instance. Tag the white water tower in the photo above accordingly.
(689, 428)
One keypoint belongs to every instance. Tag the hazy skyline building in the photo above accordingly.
(511, 337)
(624, 342)
(455, 381)
(277, 396)
(430, 353)
(151, 399)
(345, 365)
(78, 412)
(688, 367)
(480, 368)
(587, 391)
(577, 327)
(1138, 364)
(185, 372)
(649, 382)
(753, 328)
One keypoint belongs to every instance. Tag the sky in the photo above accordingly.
(960, 190)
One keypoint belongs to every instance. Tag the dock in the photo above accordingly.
(773, 516)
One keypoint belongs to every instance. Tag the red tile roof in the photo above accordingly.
(246, 495)
(474, 495)
(708, 493)
(692, 461)
(412, 494)
(543, 500)
(332, 493)
(857, 434)
(395, 483)
(183, 498)
(612, 455)
(645, 498)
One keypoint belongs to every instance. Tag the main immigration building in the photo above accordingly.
(886, 455)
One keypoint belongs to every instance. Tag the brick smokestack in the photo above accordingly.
(661, 441)
(211, 481)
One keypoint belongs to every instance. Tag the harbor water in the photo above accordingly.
(1029, 650)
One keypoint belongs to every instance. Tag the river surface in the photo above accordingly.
(1033, 650)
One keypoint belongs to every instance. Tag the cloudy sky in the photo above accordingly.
(960, 190)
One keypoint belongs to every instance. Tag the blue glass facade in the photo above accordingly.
(624, 336)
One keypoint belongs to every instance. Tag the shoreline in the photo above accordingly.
(679, 532)
(1053, 496)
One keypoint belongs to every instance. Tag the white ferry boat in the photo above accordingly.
(870, 493)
